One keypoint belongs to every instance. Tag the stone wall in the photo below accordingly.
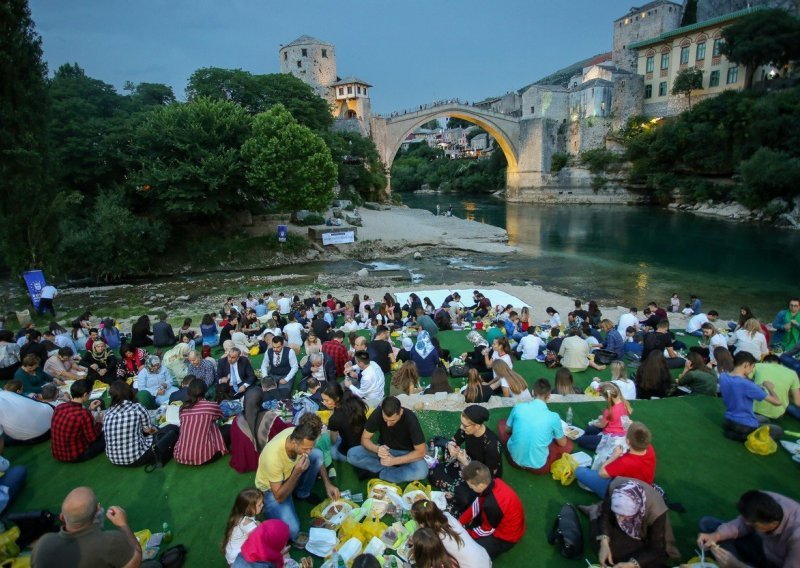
(573, 185)
(627, 101)
(659, 17)
(316, 71)
(545, 101)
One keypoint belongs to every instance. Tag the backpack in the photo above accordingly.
(566, 533)
(551, 360)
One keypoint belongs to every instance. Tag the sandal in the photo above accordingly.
(300, 541)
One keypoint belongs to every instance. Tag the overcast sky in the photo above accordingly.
(412, 51)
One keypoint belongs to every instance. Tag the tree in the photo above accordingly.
(191, 167)
(258, 93)
(362, 168)
(689, 13)
(768, 174)
(113, 224)
(432, 124)
(288, 163)
(686, 81)
(761, 38)
(29, 204)
(453, 122)
(150, 94)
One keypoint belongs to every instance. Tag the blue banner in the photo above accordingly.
(34, 280)
(283, 232)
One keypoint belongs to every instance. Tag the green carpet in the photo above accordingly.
(697, 467)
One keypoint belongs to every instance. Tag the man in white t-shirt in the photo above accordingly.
(628, 320)
(293, 333)
(284, 304)
(529, 346)
(46, 298)
(371, 379)
(24, 420)
(693, 327)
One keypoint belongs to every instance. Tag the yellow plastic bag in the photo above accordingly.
(254, 351)
(317, 511)
(18, 562)
(8, 543)
(759, 442)
(371, 527)
(324, 415)
(417, 486)
(563, 469)
(143, 536)
(351, 528)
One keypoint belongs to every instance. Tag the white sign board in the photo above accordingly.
(338, 237)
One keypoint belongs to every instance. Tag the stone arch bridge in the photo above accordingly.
(520, 140)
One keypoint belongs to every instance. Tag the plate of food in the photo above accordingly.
(412, 497)
(336, 512)
(572, 432)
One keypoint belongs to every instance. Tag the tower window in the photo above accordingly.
(349, 89)
(324, 53)
(358, 90)
(304, 51)
(299, 64)
(341, 90)
(285, 55)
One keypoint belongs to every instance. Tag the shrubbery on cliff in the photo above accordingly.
(751, 137)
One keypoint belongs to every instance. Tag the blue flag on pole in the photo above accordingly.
(34, 280)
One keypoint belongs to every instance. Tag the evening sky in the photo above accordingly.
(413, 52)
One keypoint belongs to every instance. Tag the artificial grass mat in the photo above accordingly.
(697, 467)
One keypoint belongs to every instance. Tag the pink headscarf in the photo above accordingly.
(266, 543)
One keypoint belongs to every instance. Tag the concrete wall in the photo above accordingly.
(627, 101)
(545, 101)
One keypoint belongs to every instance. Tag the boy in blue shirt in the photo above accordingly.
(739, 392)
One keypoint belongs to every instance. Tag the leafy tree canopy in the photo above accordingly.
(287, 163)
(258, 93)
(191, 167)
(763, 37)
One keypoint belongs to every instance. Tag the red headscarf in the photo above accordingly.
(266, 543)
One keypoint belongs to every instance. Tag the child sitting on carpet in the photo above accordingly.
(241, 522)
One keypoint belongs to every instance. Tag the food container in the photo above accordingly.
(350, 549)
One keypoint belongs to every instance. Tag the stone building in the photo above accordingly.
(661, 58)
(314, 62)
(641, 23)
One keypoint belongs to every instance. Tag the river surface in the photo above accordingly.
(615, 255)
(631, 255)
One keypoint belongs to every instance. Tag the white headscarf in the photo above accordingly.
(424, 345)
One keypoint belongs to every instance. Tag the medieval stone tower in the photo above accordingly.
(650, 20)
(312, 61)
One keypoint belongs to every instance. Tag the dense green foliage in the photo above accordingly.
(761, 38)
(558, 162)
(288, 162)
(421, 164)
(96, 182)
(600, 160)
(686, 81)
(29, 204)
(752, 133)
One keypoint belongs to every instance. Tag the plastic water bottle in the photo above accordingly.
(569, 416)
(167, 532)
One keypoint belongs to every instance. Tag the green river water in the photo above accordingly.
(631, 255)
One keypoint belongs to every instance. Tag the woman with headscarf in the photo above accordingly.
(425, 355)
(100, 363)
(472, 441)
(404, 354)
(632, 527)
(175, 361)
(156, 381)
(264, 546)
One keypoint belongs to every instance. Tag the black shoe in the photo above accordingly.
(311, 499)
(363, 474)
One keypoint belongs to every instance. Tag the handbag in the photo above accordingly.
(458, 371)
(567, 533)
(760, 442)
(33, 524)
(174, 557)
(551, 360)
(604, 356)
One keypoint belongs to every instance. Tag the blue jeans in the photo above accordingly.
(14, 480)
(240, 562)
(591, 438)
(699, 332)
(359, 456)
(285, 511)
(335, 453)
(793, 411)
(591, 479)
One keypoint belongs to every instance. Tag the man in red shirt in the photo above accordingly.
(336, 350)
(639, 462)
(77, 433)
(496, 519)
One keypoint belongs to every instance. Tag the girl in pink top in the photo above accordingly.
(611, 422)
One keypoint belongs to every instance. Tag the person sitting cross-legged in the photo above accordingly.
(280, 363)
(496, 519)
(533, 435)
(287, 469)
(639, 462)
(77, 432)
(399, 456)
(739, 393)
(765, 534)
(369, 377)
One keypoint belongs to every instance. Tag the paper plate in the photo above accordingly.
(572, 432)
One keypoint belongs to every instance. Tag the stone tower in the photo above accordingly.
(645, 22)
(312, 61)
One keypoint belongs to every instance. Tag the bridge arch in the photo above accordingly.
(389, 133)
